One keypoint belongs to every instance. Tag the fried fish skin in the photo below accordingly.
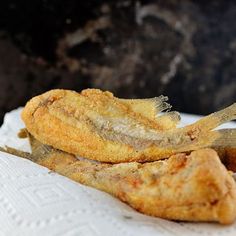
(195, 187)
(99, 126)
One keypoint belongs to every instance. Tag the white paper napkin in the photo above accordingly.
(35, 201)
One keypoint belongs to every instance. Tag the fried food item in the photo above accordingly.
(99, 126)
(194, 187)
(190, 188)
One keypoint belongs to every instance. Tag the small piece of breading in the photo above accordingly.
(99, 126)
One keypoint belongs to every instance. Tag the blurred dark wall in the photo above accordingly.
(183, 49)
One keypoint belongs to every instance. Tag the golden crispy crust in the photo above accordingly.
(192, 188)
(195, 187)
(53, 120)
(96, 125)
(99, 126)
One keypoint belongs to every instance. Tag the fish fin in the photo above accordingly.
(16, 152)
(215, 119)
(151, 108)
(227, 138)
(169, 120)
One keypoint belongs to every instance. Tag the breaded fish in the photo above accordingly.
(195, 187)
(99, 126)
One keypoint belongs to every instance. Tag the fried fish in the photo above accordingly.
(99, 126)
(195, 187)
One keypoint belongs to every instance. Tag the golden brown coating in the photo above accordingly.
(99, 126)
(65, 120)
(190, 188)
(194, 187)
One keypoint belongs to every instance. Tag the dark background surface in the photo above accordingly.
(183, 49)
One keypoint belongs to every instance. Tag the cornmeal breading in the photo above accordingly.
(190, 188)
(99, 126)
(195, 187)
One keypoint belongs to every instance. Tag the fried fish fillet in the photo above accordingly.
(99, 126)
(195, 187)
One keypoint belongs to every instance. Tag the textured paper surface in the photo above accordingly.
(35, 201)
